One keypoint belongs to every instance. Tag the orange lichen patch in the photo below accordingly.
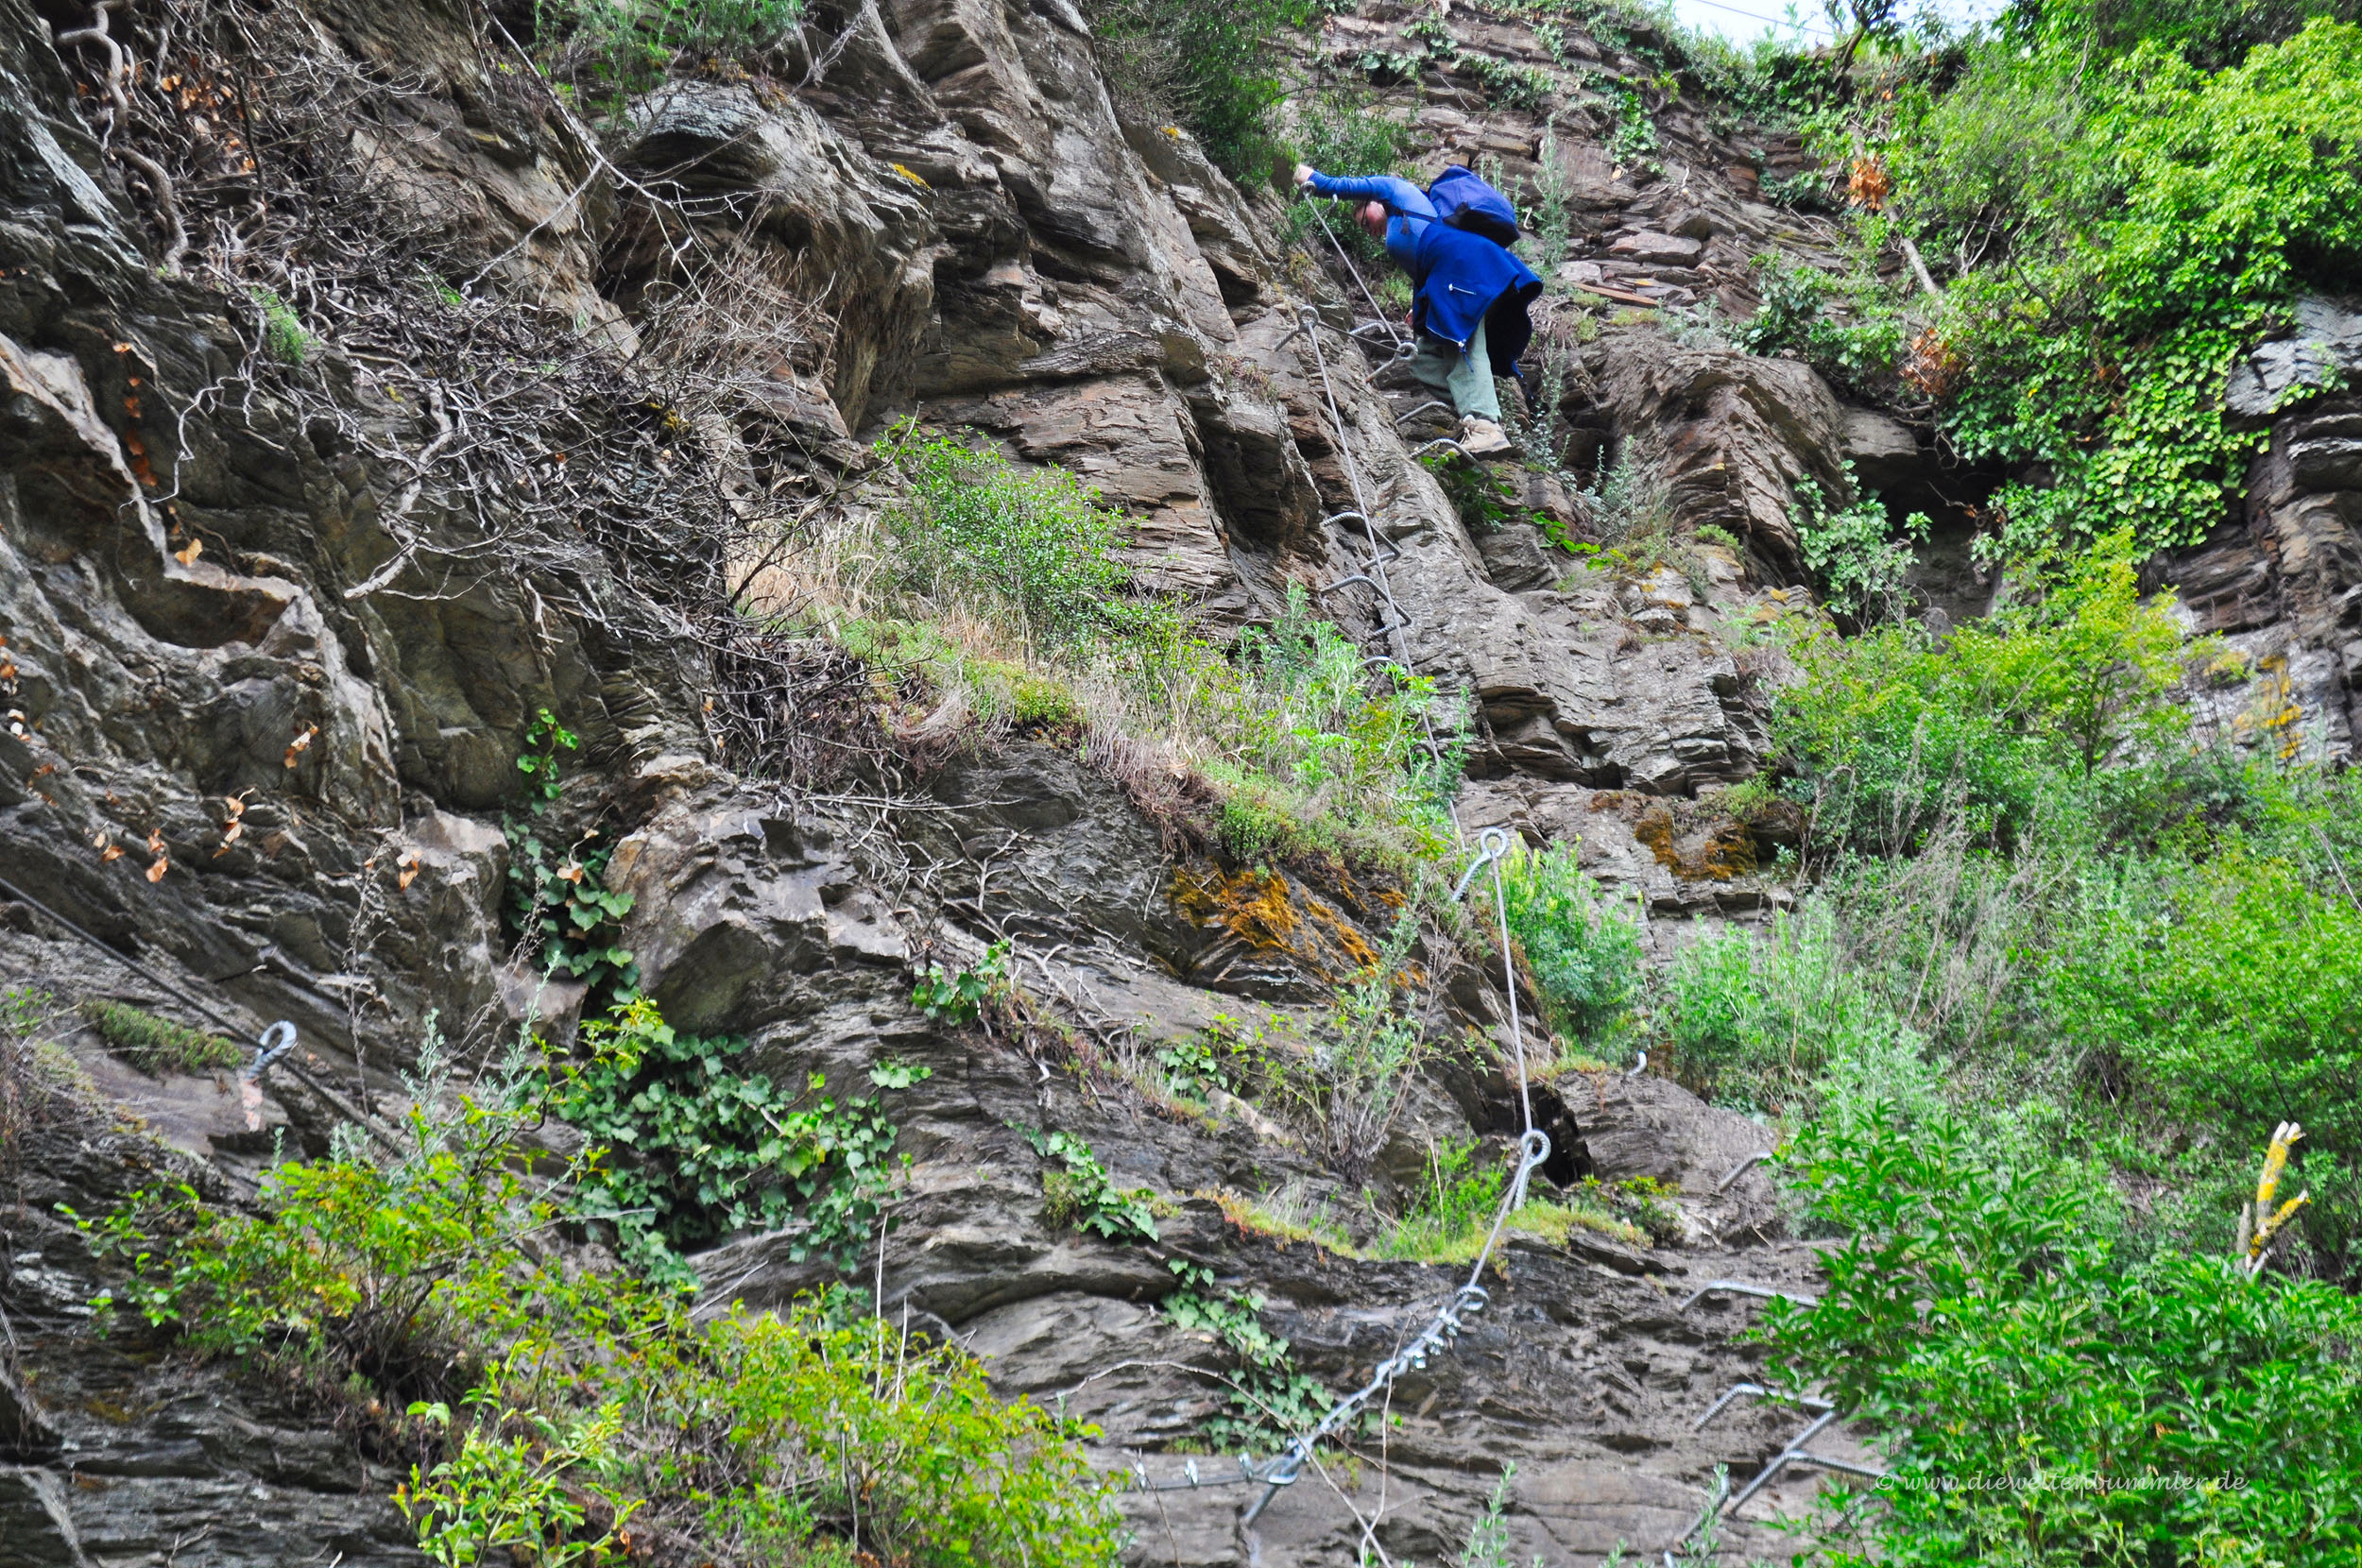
(1693, 839)
(1250, 905)
(1266, 913)
(2273, 716)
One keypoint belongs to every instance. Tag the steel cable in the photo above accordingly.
(1444, 1330)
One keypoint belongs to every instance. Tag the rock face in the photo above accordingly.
(2283, 584)
(253, 748)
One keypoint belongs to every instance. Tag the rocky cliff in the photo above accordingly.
(280, 613)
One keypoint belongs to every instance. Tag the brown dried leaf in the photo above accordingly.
(114, 852)
(409, 870)
(188, 556)
(156, 872)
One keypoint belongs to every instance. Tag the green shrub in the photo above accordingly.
(2124, 225)
(1583, 952)
(2233, 999)
(1852, 552)
(696, 1151)
(1079, 1192)
(158, 1046)
(2040, 1398)
(1215, 69)
(504, 1491)
(960, 997)
(1897, 731)
(1319, 756)
(1035, 545)
(900, 1448)
(1755, 1022)
(547, 1383)
(1848, 326)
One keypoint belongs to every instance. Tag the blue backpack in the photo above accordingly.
(1466, 203)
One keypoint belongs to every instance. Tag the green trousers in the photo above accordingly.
(1465, 378)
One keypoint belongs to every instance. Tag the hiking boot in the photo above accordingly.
(1482, 437)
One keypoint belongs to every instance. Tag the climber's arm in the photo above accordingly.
(1399, 196)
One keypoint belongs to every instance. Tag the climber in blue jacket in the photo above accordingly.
(1469, 297)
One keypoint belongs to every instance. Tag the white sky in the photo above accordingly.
(1745, 20)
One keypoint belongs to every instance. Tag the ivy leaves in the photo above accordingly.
(707, 1150)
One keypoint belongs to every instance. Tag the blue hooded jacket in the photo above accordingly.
(1459, 279)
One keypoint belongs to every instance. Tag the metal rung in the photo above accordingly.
(1741, 1287)
(1781, 1460)
(1432, 402)
(1335, 517)
(1442, 441)
(1325, 590)
(1738, 1391)
(1744, 1166)
(1846, 1465)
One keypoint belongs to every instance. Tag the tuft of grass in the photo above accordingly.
(977, 582)
(158, 1046)
(282, 330)
(1288, 1214)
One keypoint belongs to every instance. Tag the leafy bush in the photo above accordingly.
(2233, 999)
(568, 1400)
(1215, 69)
(401, 1271)
(1583, 952)
(1005, 542)
(506, 1492)
(2123, 226)
(1755, 1022)
(1452, 1206)
(1852, 554)
(1080, 1193)
(157, 1045)
(1314, 757)
(1978, 1315)
(1899, 731)
(1846, 326)
(959, 997)
(696, 1151)
(898, 1447)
